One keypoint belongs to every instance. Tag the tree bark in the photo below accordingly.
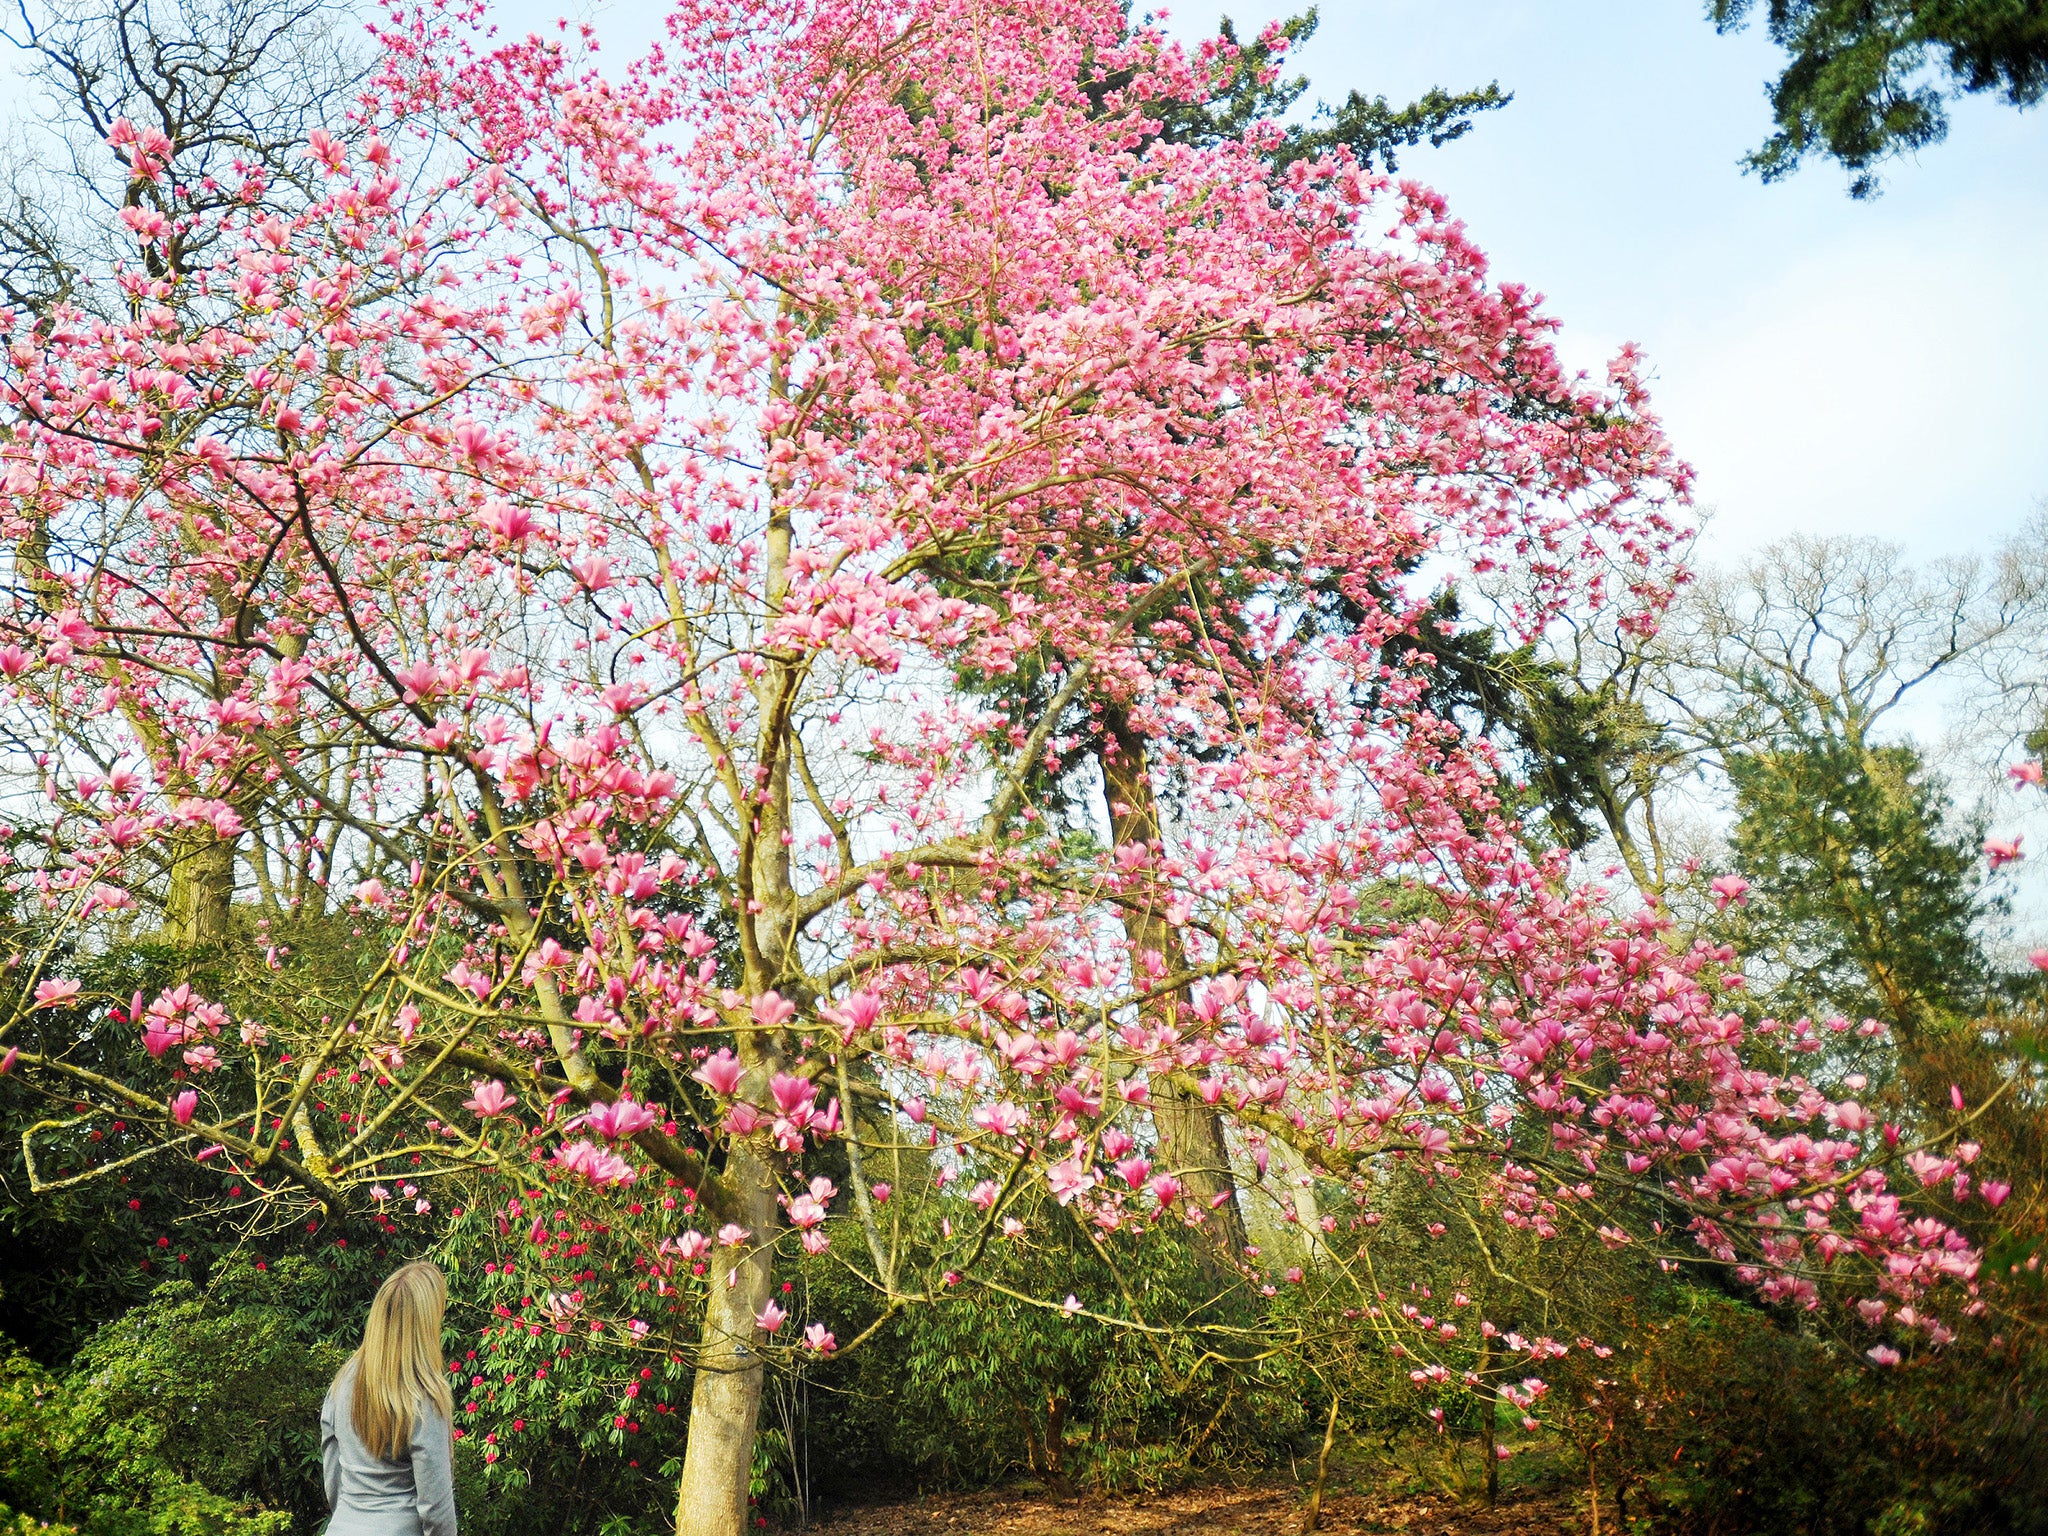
(1489, 1407)
(1056, 1444)
(1191, 1143)
(202, 889)
(725, 1400)
(1312, 1517)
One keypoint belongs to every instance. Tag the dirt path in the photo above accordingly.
(1257, 1511)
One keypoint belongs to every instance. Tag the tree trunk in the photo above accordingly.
(725, 1401)
(1312, 1516)
(1489, 1407)
(202, 889)
(1056, 1445)
(1191, 1143)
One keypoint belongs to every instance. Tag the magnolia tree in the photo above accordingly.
(666, 542)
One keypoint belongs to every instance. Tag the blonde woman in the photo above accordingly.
(386, 1429)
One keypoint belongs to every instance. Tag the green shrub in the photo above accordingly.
(223, 1387)
(982, 1385)
(1720, 1417)
(65, 1460)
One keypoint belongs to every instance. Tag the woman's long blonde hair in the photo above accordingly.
(399, 1367)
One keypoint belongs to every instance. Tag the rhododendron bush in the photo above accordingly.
(831, 606)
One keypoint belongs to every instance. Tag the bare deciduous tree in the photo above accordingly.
(233, 86)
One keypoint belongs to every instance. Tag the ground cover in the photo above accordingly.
(1268, 1509)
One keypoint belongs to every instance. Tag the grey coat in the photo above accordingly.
(369, 1497)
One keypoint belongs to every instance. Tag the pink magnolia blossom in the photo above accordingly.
(743, 1119)
(770, 1010)
(1068, 1178)
(793, 1095)
(1004, 1119)
(621, 1119)
(54, 993)
(488, 1097)
(509, 524)
(805, 1213)
(1851, 1116)
(1730, 890)
(721, 1074)
(857, 1013)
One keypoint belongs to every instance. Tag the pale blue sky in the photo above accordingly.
(1827, 366)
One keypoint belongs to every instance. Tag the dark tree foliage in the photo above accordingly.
(1372, 128)
(1865, 892)
(1571, 745)
(1867, 79)
(1567, 742)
